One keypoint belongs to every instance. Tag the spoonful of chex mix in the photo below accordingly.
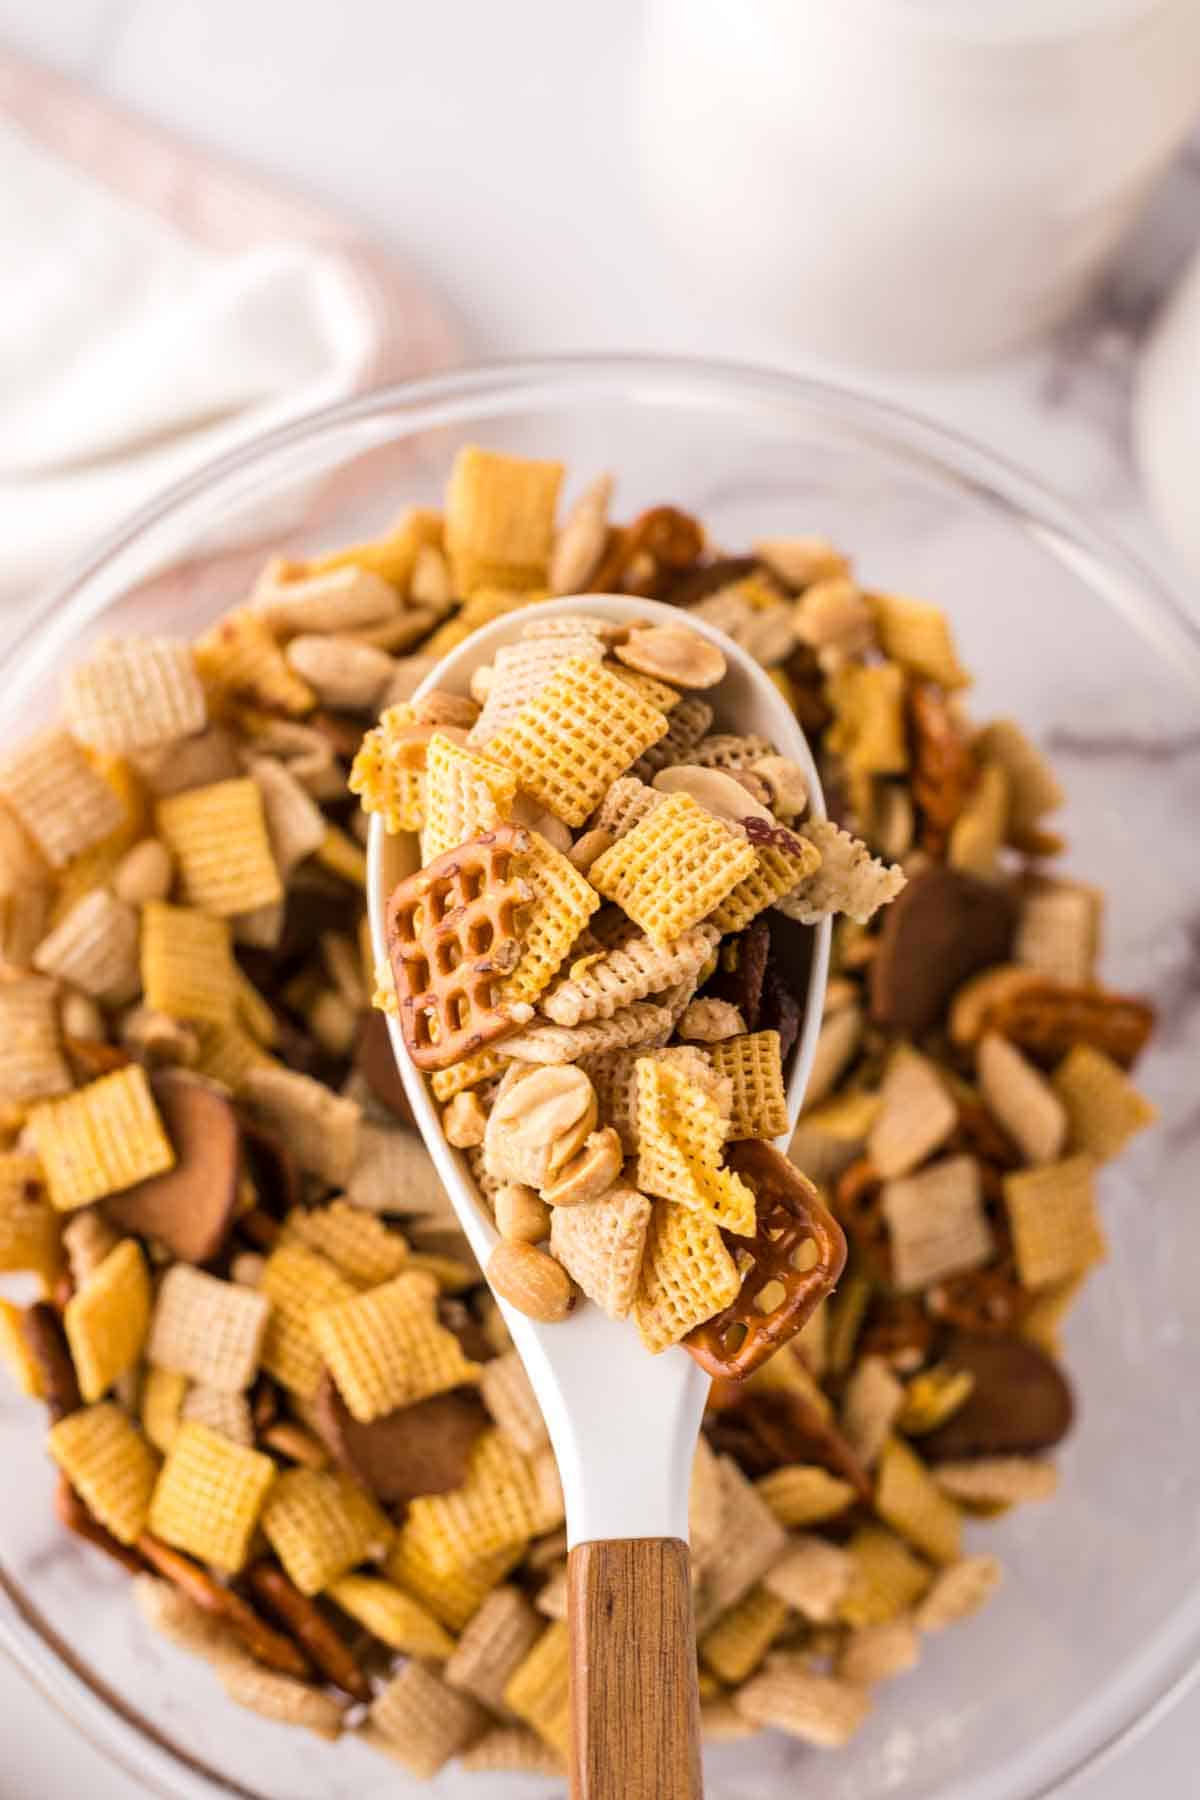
(596, 761)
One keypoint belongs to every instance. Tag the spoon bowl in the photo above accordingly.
(623, 1423)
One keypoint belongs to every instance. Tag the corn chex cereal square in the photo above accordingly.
(887, 1581)
(493, 1512)
(1104, 1109)
(218, 836)
(15, 1353)
(30, 1229)
(735, 1646)
(777, 871)
(187, 963)
(356, 1242)
(579, 732)
(101, 1139)
(804, 1494)
(537, 1688)
(383, 779)
(134, 694)
(209, 1496)
(424, 1721)
(918, 637)
(207, 1329)
(817, 1709)
(681, 1137)
(1054, 1218)
(109, 1464)
(106, 1320)
(909, 1500)
(520, 670)
(161, 1405)
(563, 902)
(62, 802)
(465, 793)
(297, 1283)
(754, 1067)
(222, 1411)
(386, 1348)
(238, 659)
(392, 1616)
(453, 1598)
(507, 1392)
(500, 519)
(687, 1276)
(673, 868)
(600, 1244)
(316, 1535)
(32, 1064)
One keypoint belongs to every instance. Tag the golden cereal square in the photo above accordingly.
(494, 1512)
(30, 1229)
(218, 836)
(687, 1276)
(134, 694)
(778, 870)
(1104, 1109)
(107, 1319)
(386, 1348)
(563, 902)
(162, 1398)
(109, 1464)
(188, 970)
(15, 1353)
(453, 1598)
(101, 1139)
(673, 868)
(909, 1500)
(681, 1141)
(392, 1616)
(382, 777)
(754, 1067)
(209, 1496)
(238, 659)
(581, 731)
(500, 513)
(356, 1242)
(918, 637)
(1054, 1218)
(59, 798)
(297, 1282)
(315, 1534)
(537, 1689)
(466, 793)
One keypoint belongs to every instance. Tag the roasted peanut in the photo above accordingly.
(539, 1119)
(464, 1121)
(531, 1281)
(521, 1217)
(340, 672)
(673, 653)
(717, 792)
(590, 1173)
(710, 1021)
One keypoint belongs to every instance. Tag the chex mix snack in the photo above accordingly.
(279, 1391)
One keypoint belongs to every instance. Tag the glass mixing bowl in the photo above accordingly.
(1099, 1619)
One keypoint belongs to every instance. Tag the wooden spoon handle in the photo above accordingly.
(635, 1708)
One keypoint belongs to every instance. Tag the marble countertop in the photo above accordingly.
(507, 180)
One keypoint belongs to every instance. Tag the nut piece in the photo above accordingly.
(673, 653)
(464, 1121)
(718, 793)
(539, 1120)
(438, 708)
(480, 682)
(521, 1218)
(786, 786)
(590, 1174)
(82, 1018)
(526, 811)
(580, 544)
(531, 1281)
(710, 1021)
(590, 847)
(341, 672)
(144, 873)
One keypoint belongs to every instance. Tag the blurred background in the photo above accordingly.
(215, 216)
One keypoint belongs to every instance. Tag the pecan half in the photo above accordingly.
(944, 768)
(671, 540)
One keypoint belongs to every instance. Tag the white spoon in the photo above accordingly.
(623, 1423)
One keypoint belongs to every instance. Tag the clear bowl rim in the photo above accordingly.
(1131, 584)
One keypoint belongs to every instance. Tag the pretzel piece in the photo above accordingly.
(308, 1624)
(264, 1644)
(452, 934)
(789, 1214)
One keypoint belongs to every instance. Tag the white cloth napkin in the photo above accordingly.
(157, 309)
